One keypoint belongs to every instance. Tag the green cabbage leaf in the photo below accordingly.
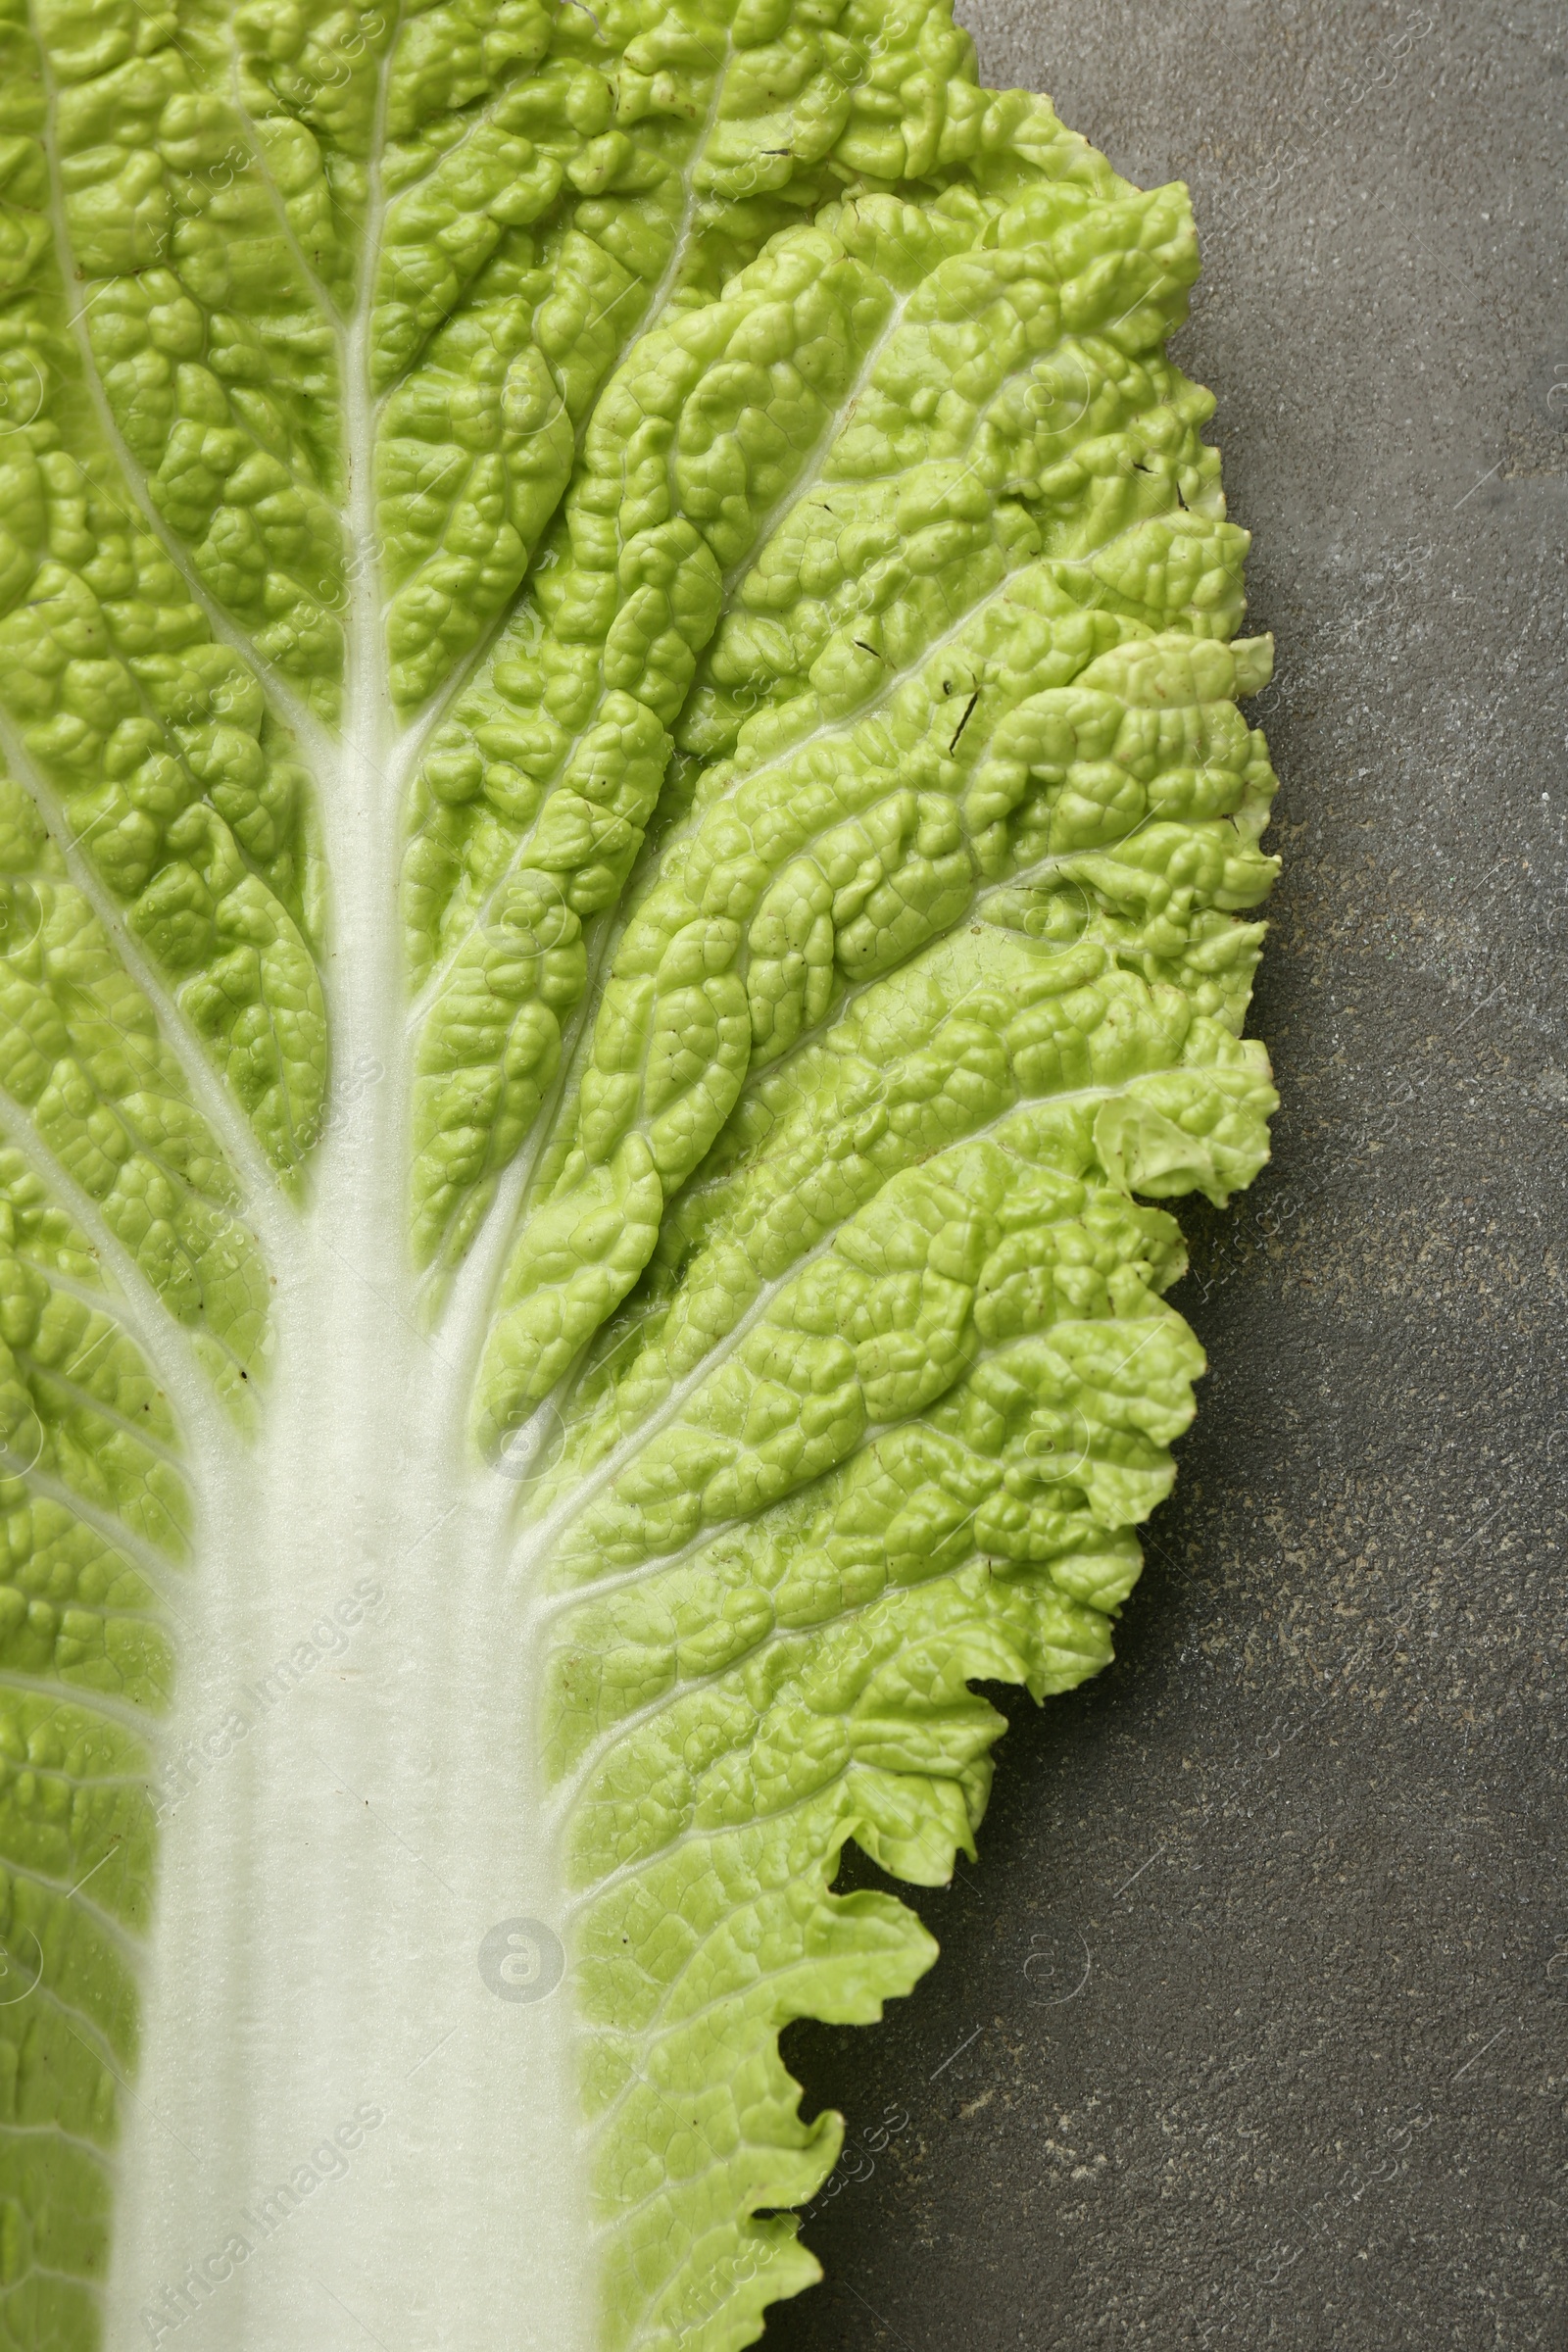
(628, 875)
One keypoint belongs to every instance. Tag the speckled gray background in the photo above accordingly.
(1251, 2022)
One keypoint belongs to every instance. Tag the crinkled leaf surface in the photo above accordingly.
(625, 858)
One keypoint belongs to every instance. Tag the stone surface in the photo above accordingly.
(1249, 2027)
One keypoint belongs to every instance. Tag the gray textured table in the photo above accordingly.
(1252, 2023)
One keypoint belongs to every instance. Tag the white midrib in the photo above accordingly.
(326, 1882)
